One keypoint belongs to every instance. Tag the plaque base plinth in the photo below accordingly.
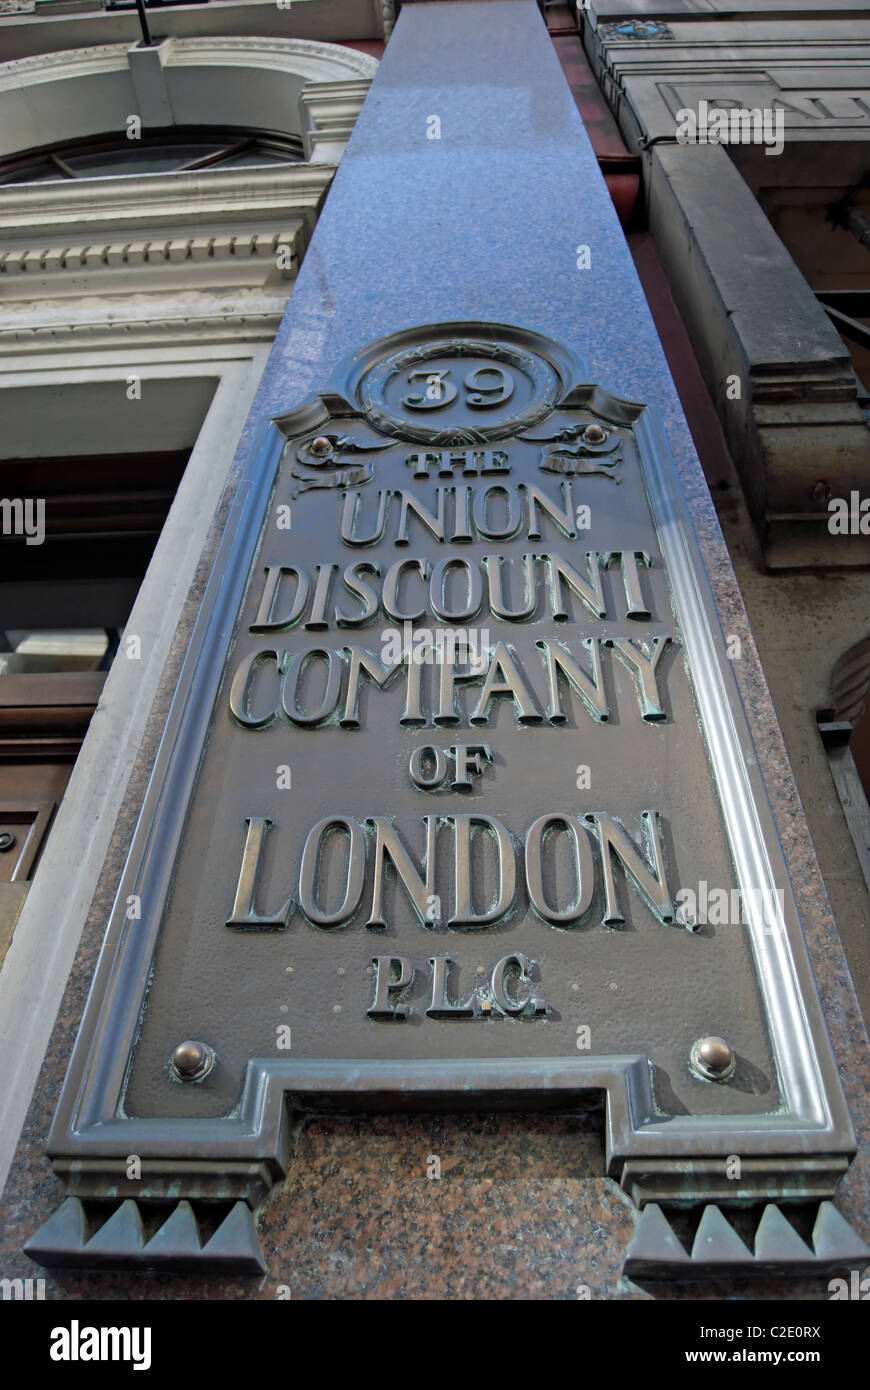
(127, 1239)
(657, 1252)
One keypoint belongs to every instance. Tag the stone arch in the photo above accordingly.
(217, 80)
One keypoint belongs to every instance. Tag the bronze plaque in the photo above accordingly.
(457, 806)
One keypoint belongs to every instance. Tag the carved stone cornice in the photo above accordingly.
(222, 229)
(254, 322)
(149, 200)
(75, 23)
(155, 232)
(329, 111)
(78, 62)
(319, 62)
(316, 62)
(191, 262)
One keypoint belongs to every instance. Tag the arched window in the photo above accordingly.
(176, 149)
(183, 89)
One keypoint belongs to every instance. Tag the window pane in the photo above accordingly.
(156, 159)
(72, 649)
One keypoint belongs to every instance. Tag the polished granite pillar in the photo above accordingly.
(504, 218)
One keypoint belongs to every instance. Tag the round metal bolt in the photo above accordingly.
(191, 1061)
(7, 840)
(713, 1059)
(320, 447)
(594, 434)
(821, 492)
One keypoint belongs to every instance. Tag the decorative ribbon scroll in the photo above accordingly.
(325, 463)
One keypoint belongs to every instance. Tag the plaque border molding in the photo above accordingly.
(796, 1154)
(371, 391)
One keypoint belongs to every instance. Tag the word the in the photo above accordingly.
(469, 461)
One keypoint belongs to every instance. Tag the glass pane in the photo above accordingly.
(252, 159)
(70, 649)
(41, 171)
(147, 159)
(147, 156)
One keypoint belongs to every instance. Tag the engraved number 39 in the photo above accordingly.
(485, 386)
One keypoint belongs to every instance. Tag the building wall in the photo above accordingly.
(158, 281)
(93, 318)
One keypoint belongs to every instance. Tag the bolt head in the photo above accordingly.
(594, 434)
(713, 1059)
(320, 447)
(191, 1061)
(7, 840)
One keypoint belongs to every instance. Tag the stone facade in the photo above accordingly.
(749, 311)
